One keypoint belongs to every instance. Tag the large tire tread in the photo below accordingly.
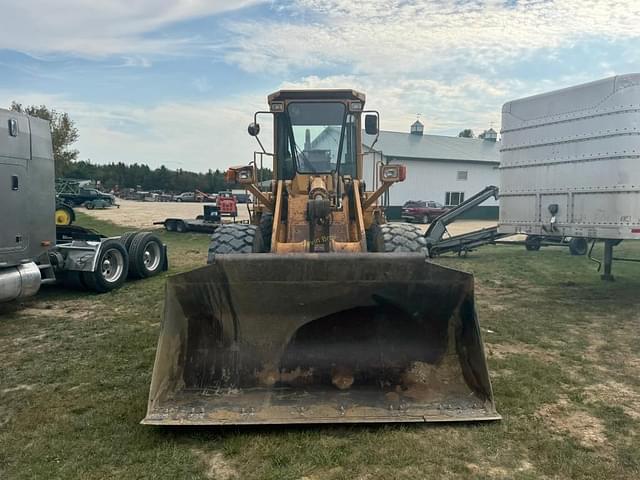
(235, 238)
(403, 237)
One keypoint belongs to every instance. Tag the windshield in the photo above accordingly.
(316, 137)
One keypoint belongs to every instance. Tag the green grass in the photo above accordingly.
(76, 369)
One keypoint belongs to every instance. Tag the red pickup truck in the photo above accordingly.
(421, 211)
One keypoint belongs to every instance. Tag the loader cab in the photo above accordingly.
(317, 132)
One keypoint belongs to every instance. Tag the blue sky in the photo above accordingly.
(176, 82)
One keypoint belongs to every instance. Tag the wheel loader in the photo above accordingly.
(319, 311)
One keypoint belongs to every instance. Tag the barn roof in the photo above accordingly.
(435, 147)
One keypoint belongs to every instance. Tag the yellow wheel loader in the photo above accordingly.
(319, 311)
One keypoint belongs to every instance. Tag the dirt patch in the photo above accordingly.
(615, 394)
(498, 472)
(217, 466)
(564, 417)
(143, 214)
(503, 350)
(76, 310)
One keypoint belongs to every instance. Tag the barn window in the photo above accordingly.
(462, 174)
(453, 198)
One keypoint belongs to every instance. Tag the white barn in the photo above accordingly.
(439, 168)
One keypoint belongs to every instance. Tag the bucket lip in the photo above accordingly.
(151, 420)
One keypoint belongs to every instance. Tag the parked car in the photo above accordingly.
(421, 211)
(186, 197)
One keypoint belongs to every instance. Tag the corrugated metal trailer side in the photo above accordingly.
(570, 161)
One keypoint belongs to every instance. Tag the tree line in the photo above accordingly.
(64, 134)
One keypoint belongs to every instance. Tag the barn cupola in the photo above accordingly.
(490, 135)
(417, 128)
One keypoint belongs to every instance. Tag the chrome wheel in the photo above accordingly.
(112, 265)
(151, 255)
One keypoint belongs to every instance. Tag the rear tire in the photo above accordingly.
(126, 239)
(64, 215)
(111, 270)
(146, 255)
(170, 226)
(181, 227)
(403, 237)
(578, 246)
(235, 238)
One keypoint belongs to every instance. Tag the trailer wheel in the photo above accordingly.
(403, 237)
(181, 227)
(111, 268)
(578, 246)
(146, 255)
(235, 238)
(532, 243)
(170, 226)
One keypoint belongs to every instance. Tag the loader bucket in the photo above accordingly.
(319, 338)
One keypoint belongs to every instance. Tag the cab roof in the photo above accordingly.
(310, 94)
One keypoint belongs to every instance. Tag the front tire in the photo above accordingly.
(235, 238)
(402, 237)
(64, 216)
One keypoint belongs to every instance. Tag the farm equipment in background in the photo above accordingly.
(74, 193)
(319, 311)
(227, 204)
(33, 249)
(64, 213)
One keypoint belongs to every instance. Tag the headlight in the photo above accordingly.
(277, 106)
(393, 173)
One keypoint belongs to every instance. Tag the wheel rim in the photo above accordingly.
(63, 217)
(112, 265)
(151, 256)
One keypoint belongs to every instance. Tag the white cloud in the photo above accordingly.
(192, 136)
(99, 28)
(393, 37)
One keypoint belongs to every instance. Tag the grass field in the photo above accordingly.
(563, 351)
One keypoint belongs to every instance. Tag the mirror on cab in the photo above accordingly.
(253, 129)
(371, 124)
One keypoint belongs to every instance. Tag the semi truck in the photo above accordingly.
(33, 251)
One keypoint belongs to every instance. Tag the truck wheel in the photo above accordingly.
(181, 227)
(266, 227)
(146, 255)
(126, 239)
(578, 246)
(178, 200)
(375, 238)
(111, 268)
(89, 205)
(235, 238)
(64, 215)
(403, 237)
(532, 243)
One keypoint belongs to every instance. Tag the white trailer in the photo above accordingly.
(570, 163)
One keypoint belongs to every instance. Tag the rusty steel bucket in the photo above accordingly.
(319, 338)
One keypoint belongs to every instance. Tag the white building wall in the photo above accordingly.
(431, 179)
